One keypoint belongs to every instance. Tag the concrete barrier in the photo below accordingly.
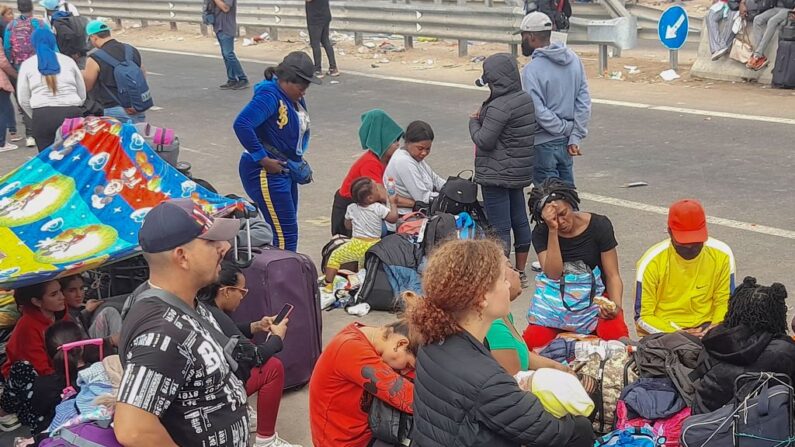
(727, 69)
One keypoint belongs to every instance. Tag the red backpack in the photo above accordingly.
(21, 46)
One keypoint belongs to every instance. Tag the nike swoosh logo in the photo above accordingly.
(700, 287)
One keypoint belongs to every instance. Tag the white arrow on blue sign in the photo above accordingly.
(673, 27)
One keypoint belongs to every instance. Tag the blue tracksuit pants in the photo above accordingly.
(276, 196)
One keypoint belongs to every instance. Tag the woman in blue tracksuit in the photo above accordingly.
(274, 129)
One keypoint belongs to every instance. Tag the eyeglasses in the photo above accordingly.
(242, 291)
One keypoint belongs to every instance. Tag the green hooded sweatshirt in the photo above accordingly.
(378, 131)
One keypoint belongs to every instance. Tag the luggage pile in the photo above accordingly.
(644, 394)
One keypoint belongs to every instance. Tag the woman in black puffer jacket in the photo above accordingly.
(503, 132)
(462, 396)
(752, 338)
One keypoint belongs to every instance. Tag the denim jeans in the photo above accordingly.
(553, 160)
(120, 114)
(234, 71)
(506, 211)
(6, 115)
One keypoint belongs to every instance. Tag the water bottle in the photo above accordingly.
(390, 186)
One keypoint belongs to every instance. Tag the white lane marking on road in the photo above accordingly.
(195, 151)
(607, 102)
(729, 223)
(736, 224)
(154, 74)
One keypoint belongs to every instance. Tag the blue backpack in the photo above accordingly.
(130, 81)
(630, 437)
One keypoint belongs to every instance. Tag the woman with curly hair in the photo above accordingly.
(462, 396)
(752, 338)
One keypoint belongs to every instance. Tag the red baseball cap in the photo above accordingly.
(688, 222)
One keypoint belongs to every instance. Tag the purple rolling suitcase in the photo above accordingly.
(277, 277)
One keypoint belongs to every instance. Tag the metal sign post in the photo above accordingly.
(672, 30)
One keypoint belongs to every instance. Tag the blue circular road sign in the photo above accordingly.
(672, 27)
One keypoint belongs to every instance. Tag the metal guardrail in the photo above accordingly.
(648, 17)
(472, 23)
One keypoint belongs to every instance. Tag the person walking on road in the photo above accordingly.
(318, 21)
(274, 131)
(555, 79)
(18, 48)
(50, 88)
(503, 133)
(224, 13)
(99, 73)
(8, 120)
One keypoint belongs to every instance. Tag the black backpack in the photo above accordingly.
(70, 35)
(460, 195)
(557, 10)
(440, 228)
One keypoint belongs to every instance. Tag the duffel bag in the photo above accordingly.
(763, 418)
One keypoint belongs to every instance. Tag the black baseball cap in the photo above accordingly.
(176, 222)
(301, 64)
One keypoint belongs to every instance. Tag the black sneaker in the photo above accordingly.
(244, 84)
(523, 280)
(230, 85)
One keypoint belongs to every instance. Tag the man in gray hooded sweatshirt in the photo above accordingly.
(555, 79)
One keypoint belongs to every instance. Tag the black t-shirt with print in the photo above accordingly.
(588, 247)
(175, 370)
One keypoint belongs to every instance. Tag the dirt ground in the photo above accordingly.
(633, 77)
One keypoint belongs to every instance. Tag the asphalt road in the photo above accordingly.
(740, 170)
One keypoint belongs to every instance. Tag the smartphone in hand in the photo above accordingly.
(284, 313)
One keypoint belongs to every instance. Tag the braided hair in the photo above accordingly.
(760, 308)
(552, 189)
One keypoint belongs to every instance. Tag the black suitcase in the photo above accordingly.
(784, 70)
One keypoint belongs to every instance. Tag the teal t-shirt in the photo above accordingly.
(500, 336)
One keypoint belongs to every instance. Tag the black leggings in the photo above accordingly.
(583, 435)
(319, 35)
(46, 121)
(338, 210)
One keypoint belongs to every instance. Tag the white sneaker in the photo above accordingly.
(252, 419)
(8, 147)
(273, 441)
(9, 422)
(535, 266)
(30, 142)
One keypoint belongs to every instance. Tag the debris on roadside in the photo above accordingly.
(634, 184)
(669, 75)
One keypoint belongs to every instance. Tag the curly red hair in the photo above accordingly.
(458, 276)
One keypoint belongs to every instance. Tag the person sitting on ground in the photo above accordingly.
(564, 234)
(47, 389)
(685, 281)
(177, 380)
(365, 217)
(26, 351)
(507, 345)
(266, 375)
(462, 396)
(105, 324)
(766, 24)
(416, 183)
(360, 363)
(380, 136)
(752, 338)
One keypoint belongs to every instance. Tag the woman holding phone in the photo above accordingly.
(267, 377)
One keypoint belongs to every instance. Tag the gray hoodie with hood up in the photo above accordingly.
(555, 79)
